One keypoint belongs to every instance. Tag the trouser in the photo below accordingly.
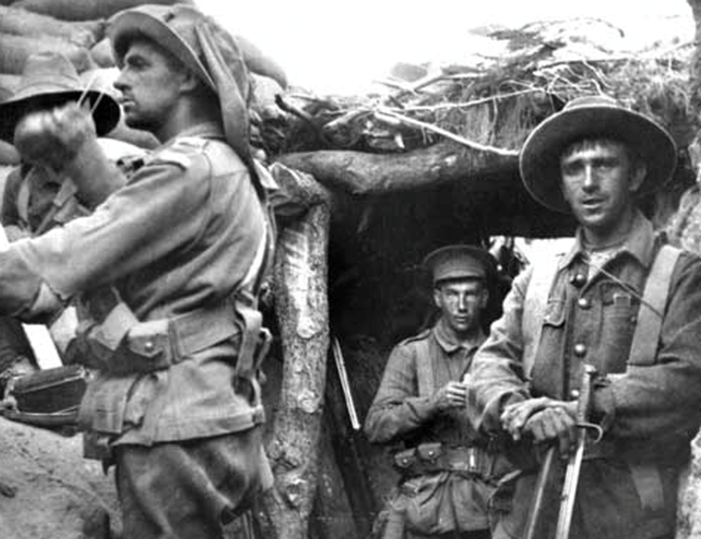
(190, 489)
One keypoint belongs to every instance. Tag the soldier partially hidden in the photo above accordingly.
(447, 469)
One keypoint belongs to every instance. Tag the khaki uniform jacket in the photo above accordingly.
(649, 413)
(181, 235)
(401, 412)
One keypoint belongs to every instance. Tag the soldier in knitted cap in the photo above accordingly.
(167, 270)
(446, 468)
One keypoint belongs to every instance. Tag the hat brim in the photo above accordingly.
(539, 161)
(126, 25)
(105, 110)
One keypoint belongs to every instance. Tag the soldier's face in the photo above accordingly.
(598, 181)
(150, 83)
(461, 304)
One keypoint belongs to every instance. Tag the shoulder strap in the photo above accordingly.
(423, 368)
(647, 331)
(535, 303)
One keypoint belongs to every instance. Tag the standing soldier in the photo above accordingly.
(167, 270)
(447, 469)
(620, 302)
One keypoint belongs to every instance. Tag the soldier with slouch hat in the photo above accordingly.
(37, 198)
(166, 271)
(620, 303)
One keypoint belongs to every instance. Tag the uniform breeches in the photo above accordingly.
(189, 489)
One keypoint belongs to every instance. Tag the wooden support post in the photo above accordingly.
(301, 305)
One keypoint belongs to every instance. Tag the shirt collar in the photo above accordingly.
(449, 344)
(640, 243)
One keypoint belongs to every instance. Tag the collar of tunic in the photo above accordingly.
(449, 344)
(640, 243)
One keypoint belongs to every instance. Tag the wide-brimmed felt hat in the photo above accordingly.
(220, 59)
(50, 80)
(459, 261)
(593, 117)
(174, 28)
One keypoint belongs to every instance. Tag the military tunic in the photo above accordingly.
(182, 234)
(402, 411)
(648, 412)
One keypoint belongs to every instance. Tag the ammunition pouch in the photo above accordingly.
(435, 457)
(120, 344)
(48, 398)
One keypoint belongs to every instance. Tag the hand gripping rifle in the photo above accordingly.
(538, 525)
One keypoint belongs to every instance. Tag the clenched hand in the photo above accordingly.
(451, 395)
(52, 138)
(544, 419)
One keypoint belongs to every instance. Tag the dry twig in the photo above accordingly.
(447, 134)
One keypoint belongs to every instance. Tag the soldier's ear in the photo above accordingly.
(189, 82)
(637, 176)
(437, 296)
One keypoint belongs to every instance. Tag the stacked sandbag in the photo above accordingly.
(74, 28)
(81, 10)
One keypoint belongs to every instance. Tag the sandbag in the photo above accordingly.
(25, 23)
(14, 51)
(103, 79)
(83, 10)
(264, 91)
(101, 53)
(8, 83)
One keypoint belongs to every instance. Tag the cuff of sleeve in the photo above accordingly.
(424, 408)
(19, 284)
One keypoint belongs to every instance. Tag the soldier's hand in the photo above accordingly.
(554, 423)
(52, 138)
(515, 416)
(451, 395)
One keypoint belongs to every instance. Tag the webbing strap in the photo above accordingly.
(250, 337)
(534, 307)
(648, 483)
(647, 331)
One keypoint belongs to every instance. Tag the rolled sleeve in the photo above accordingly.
(19, 282)
(495, 377)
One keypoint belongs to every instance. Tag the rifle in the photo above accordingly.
(538, 525)
(345, 384)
